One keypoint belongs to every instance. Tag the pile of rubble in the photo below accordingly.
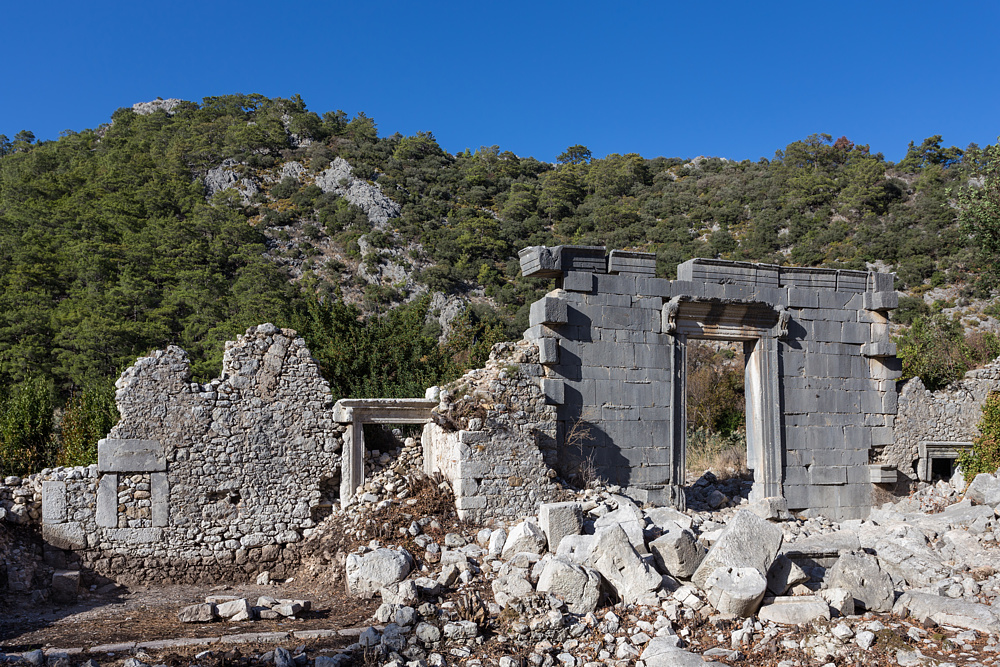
(600, 580)
(234, 609)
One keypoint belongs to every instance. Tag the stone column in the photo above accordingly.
(353, 461)
(765, 450)
(678, 421)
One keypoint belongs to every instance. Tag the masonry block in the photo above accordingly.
(879, 348)
(884, 282)
(53, 502)
(548, 310)
(619, 284)
(554, 391)
(828, 475)
(881, 301)
(130, 456)
(548, 351)
(107, 501)
(578, 281)
(800, 297)
(627, 261)
(159, 492)
(854, 332)
(69, 535)
(654, 287)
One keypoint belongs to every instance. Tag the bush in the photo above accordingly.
(934, 349)
(26, 427)
(89, 414)
(985, 453)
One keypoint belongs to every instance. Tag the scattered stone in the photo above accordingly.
(747, 541)
(525, 537)
(368, 573)
(798, 610)
(737, 591)
(677, 552)
(861, 575)
(577, 585)
(197, 613)
(558, 520)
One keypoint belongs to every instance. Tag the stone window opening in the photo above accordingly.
(329, 497)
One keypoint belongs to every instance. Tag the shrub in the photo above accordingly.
(26, 427)
(985, 453)
(89, 415)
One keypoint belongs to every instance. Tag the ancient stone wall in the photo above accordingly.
(197, 481)
(947, 416)
(820, 369)
(494, 437)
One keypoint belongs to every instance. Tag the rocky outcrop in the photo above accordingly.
(338, 179)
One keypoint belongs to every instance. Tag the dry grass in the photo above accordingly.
(726, 457)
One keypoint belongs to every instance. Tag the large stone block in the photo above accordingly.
(53, 502)
(68, 535)
(107, 501)
(627, 261)
(881, 301)
(548, 310)
(130, 456)
(367, 573)
(578, 585)
(860, 574)
(578, 281)
(558, 520)
(747, 541)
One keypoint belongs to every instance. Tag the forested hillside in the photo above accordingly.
(184, 223)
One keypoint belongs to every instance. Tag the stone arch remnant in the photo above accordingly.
(820, 369)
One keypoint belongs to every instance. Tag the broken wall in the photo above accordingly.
(199, 481)
(944, 421)
(494, 437)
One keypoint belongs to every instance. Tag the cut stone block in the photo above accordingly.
(130, 456)
(747, 541)
(860, 574)
(65, 585)
(798, 610)
(548, 310)
(736, 591)
(107, 501)
(53, 502)
(579, 586)
(677, 552)
(558, 520)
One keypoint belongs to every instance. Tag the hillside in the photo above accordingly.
(184, 223)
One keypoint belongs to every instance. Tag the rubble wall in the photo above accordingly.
(821, 369)
(949, 415)
(494, 437)
(200, 481)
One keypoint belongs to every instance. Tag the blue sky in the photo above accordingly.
(732, 79)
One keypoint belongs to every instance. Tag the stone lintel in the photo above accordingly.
(115, 455)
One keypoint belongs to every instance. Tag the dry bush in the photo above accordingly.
(726, 457)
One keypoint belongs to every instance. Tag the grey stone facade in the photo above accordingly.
(821, 369)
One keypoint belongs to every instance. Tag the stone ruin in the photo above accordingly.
(198, 482)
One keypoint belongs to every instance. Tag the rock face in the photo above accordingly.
(368, 573)
(224, 177)
(736, 590)
(747, 541)
(579, 586)
(338, 179)
(860, 574)
(146, 108)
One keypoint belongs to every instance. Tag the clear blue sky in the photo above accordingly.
(732, 79)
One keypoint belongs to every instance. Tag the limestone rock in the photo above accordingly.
(736, 590)
(631, 520)
(510, 587)
(620, 564)
(860, 574)
(798, 610)
(663, 652)
(784, 574)
(578, 586)
(369, 572)
(984, 490)
(197, 613)
(337, 178)
(945, 611)
(677, 552)
(237, 610)
(747, 541)
(558, 520)
(839, 599)
(525, 536)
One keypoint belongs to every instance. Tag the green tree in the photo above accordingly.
(979, 205)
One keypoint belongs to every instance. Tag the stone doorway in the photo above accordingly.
(757, 327)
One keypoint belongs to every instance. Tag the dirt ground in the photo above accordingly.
(145, 614)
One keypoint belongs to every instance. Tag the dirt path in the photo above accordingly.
(144, 614)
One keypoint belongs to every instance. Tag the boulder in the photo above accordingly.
(197, 613)
(904, 553)
(867, 582)
(577, 547)
(783, 575)
(663, 652)
(497, 539)
(677, 552)
(984, 490)
(839, 599)
(558, 520)
(615, 557)
(578, 586)
(663, 517)
(235, 610)
(401, 593)
(510, 587)
(736, 590)
(367, 573)
(631, 520)
(798, 610)
(747, 541)
(940, 610)
(525, 536)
